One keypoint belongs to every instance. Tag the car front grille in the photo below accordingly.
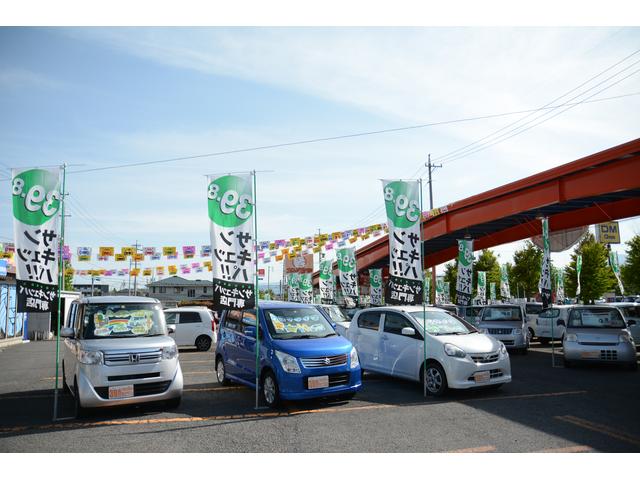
(116, 358)
(508, 343)
(117, 378)
(598, 344)
(608, 355)
(328, 361)
(500, 331)
(485, 357)
(139, 390)
(335, 380)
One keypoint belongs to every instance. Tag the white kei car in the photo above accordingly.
(194, 326)
(390, 340)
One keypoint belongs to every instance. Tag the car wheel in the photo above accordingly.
(436, 380)
(203, 343)
(174, 403)
(269, 389)
(221, 372)
(531, 334)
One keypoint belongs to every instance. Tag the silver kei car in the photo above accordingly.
(506, 322)
(117, 351)
(598, 334)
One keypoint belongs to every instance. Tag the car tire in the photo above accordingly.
(221, 372)
(174, 403)
(436, 380)
(269, 389)
(531, 334)
(203, 343)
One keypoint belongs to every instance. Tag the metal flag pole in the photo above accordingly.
(424, 305)
(60, 285)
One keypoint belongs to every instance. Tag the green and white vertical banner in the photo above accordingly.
(560, 296)
(375, 286)
(427, 286)
(293, 287)
(327, 288)
(35, 196)
(464, 280)
(447, 292)
(505, 291)
(440, 290)
(544, 284)
(306, 288)
(615, 266)
(402, 204)
(230, 203)
(492, 291)
(482, 287)
(578, 271)
(348, 273)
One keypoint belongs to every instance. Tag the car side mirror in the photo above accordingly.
(171, 329)
(67, 332)
(408, 331)
(560, 323)
(250, 332)
(631, 322)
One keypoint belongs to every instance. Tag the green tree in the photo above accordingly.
(596, 277)
(631, 269)
(451, 276)
(68, 276)
(526, 270)
(487, 262)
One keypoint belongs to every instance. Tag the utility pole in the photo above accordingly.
(430, 168)
(135, 266)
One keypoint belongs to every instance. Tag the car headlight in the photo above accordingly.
(454, 351)
(354, 358)
(88, 357)
(571, 337)
(624, 337)
(169, 352)
(503, 350)
(289, 363)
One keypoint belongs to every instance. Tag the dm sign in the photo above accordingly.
(608, 232)
(36, 201)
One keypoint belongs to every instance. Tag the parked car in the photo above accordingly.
(194, 326)
(117, 351)
(631, 311)
(470, 313)
(350, 312)
(390, 340)
(337, 317)
(598, 334)
(301, 356)
(547, 327)
(532, 310)
(506, 322)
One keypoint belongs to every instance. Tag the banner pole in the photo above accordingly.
(255, 233)
(424, 305)
(60, 285)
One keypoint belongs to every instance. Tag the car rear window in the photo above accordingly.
(189, 317)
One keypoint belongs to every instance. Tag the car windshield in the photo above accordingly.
(292, 323)
(442, 323)
(498, 314)
(596, 318)
(112, 320)
(335, 313)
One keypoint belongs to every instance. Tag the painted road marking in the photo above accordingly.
(598, 427)
(571, 449)
(290, 413)
(484, 449)
(213, 389)
(208, 372)
(196, 361)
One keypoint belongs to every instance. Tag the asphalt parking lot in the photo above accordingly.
(544, 409)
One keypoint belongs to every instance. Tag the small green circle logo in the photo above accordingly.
(401, 202)
(346, 260)
(376, 279)
(230, 201)
(325, 270)
(36, 198)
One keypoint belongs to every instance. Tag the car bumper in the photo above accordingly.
(294, 386)
(619, 353)
(165, 387)
(460, 372)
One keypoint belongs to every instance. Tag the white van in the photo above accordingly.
(194, 326)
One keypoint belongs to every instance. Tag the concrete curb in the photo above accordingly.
(7, 342)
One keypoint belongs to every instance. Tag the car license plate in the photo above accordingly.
(481, 377)
(122, 391)
(319, 382)
(590, 354)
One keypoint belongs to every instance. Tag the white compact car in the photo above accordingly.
(548, 327)
(390, 340)
(118, 352)
(194, 326)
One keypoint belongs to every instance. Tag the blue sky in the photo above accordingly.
(101, 97)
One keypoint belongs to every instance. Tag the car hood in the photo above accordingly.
(314, 347)
(472, 343)
(597, 335)
(500, 324)
(129, 344)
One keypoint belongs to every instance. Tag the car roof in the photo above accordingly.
(402, 308)
(117, 299)
(499, 305)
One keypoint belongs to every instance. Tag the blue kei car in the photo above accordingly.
(301, 356)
